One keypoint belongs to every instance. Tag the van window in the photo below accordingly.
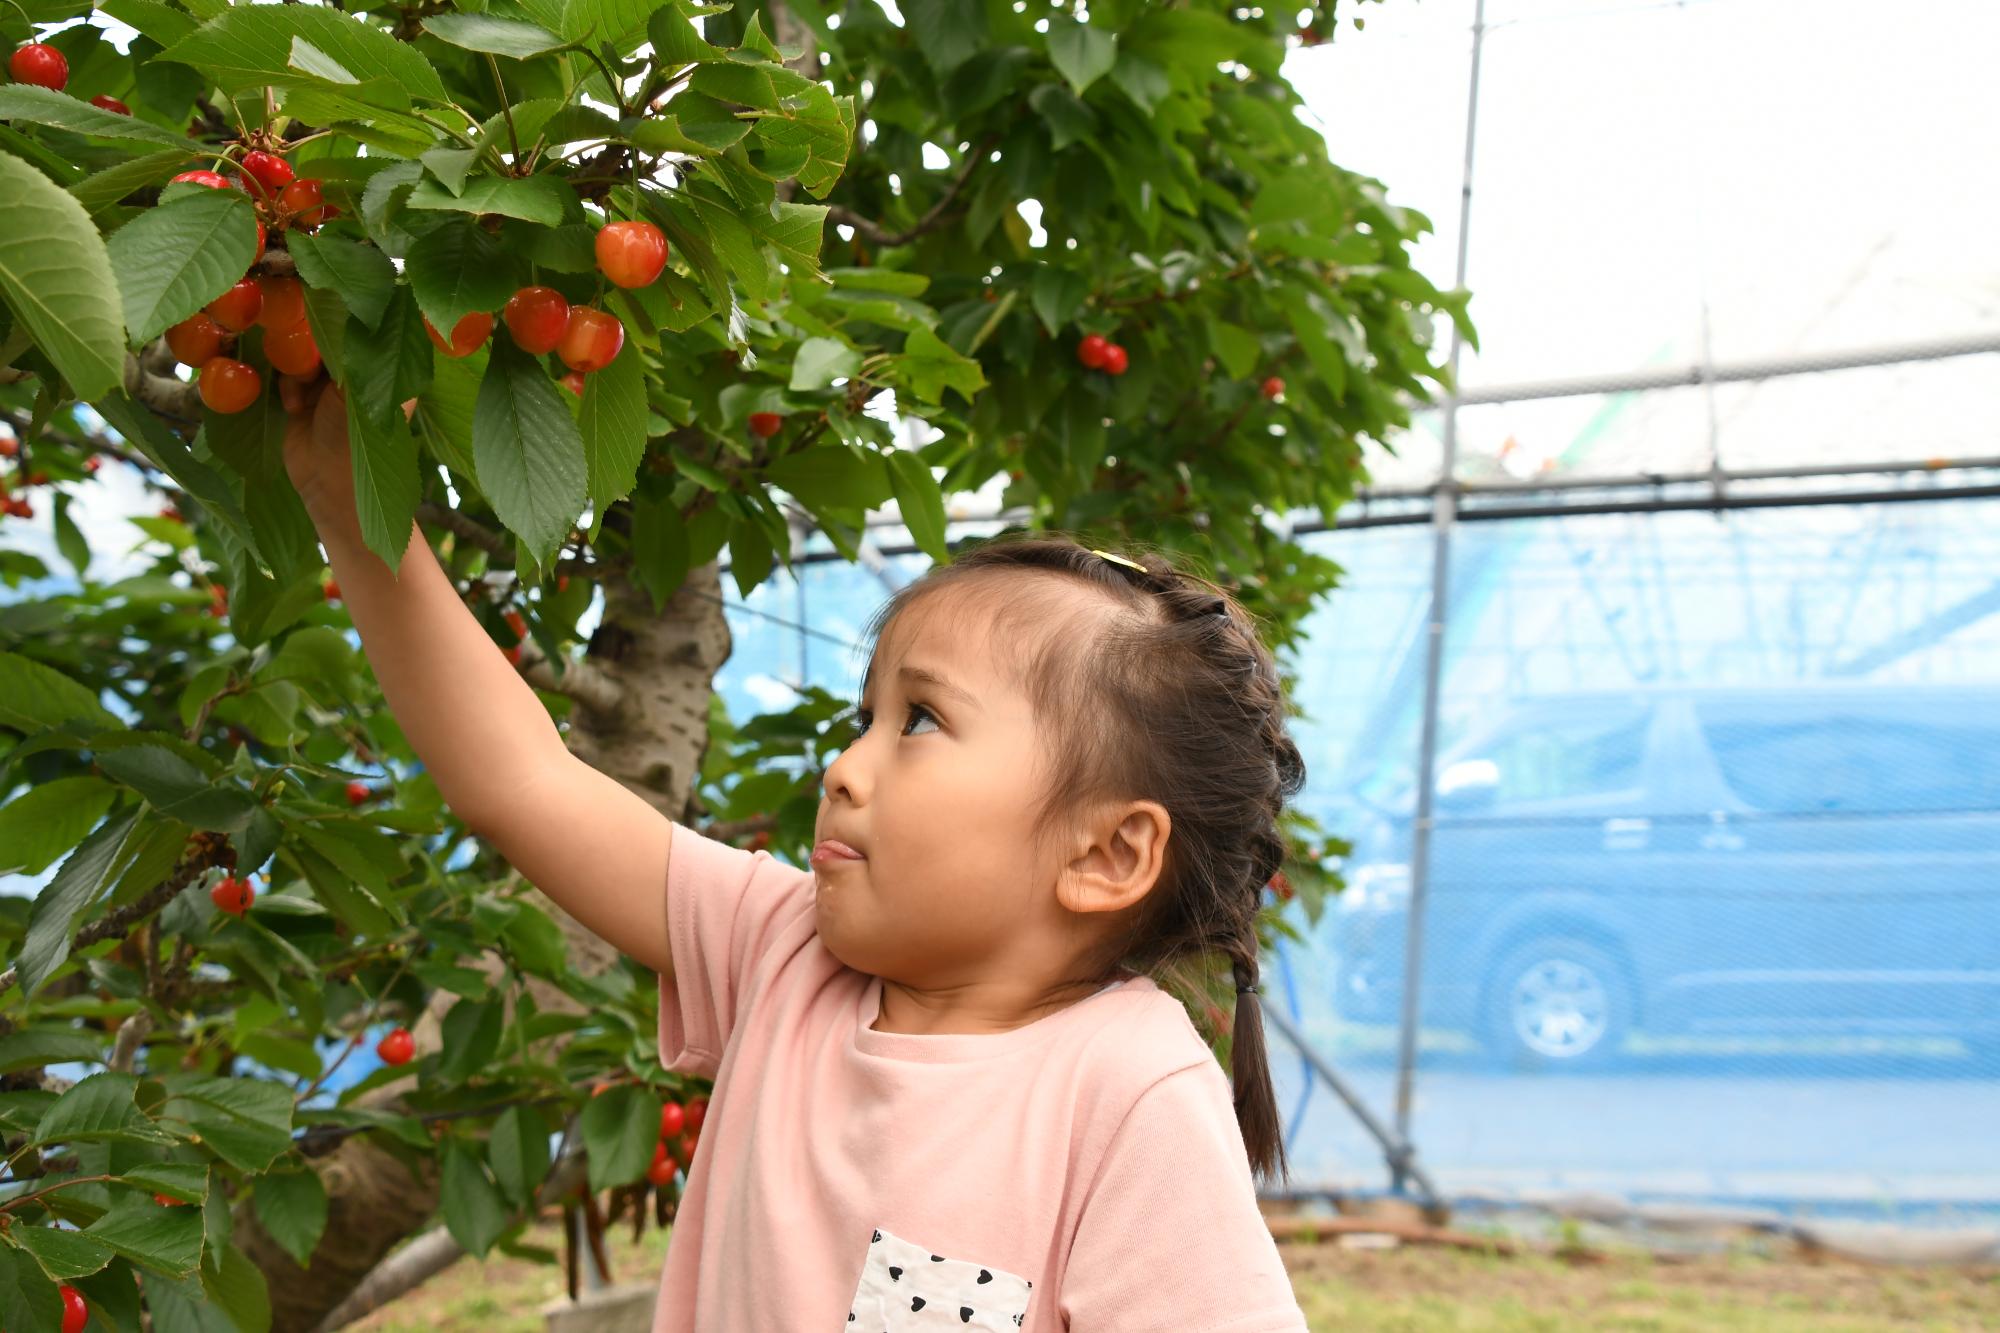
(1856, 764)
(1559, 757)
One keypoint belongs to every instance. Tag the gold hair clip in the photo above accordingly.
(1118, 559)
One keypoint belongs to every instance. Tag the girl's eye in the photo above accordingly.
(862, 717)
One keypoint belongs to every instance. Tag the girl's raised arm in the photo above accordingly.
(581, 837)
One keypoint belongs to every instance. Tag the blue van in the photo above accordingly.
(1784, 862)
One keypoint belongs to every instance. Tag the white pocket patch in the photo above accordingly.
(905, 1288)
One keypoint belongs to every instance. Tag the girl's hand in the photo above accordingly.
(317, 456)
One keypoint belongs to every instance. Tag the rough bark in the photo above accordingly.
(652, 739)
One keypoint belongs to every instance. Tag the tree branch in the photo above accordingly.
(931, 220)
(580, 680)
(466, 529)
(152, 384)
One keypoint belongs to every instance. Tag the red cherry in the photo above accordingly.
(40, 64)
(766, 424)
(518, 623)
(20, 508)
(284, 303)
(358, 793)
(260, 242)
(218, 601)
(760, 840)
(92, 463)
(270, 172)
(111, 104)
(1273, 387)
(537, 316)
(513, 655)
(195, 339)
(228, 386)
(213, 180)
(292, 350)
(1092, 349)
(592, 340)
(237, 309)
(302, 202)
(1282, 887)
(166, 1200)
(673, 1118)
(9, 446)
(662, 1173)
(332, 591)
(397, 1047)
(232, 895)
(466, 335)
(75, 1313)
(562, 583)
(696, 1113)
(573, 381)
(631, 254)
(1114, 360)
(172, 514)
(37, 479)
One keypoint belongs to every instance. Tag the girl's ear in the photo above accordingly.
(1120, 859)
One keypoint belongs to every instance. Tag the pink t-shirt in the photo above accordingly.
(1083, 1171)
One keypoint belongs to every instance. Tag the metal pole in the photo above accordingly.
(1446, 506)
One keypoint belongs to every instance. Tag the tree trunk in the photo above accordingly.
(653, 741)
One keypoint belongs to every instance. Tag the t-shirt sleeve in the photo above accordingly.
(725, 906)
(1170, 1235)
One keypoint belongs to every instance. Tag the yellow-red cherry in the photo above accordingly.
(573, 381)
(303, 203)
(292, 350)
(228, 385)
(284, 303)
(466, 335)
(39, 63)
(213, 180)
(397, 1047)
(592, 340)
(631, 254)
(237, 309)
(537, 317)
(232, 895)
(196, 339)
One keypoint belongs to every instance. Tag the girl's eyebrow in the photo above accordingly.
(925, 676)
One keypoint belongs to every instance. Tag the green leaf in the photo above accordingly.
(70, 539)
(519, 1152)
(832, 476)
(235, 1287)
(948, 32)
(821, 361)
(1058, 293)
(292, 1207)
(361, 274)
(483, 32)
(528, 450)
(101, 1108)
(613, 426)
(1082, 54)
(28, 1298)
(929, 366)
(47, 1046)
(166, 1240)
(541, 199)
(182, 1180)
(82, 878)
(63, 1254)
(471, 1039)
(175, 787)
(675, 41)
(450, 166)
(920, 502)
(57, 280)
(104, 188)
(246, 1122)
(45, 821)
(163, 23)
(248, 46)
(620, 1129)
(174, 258)
(659, 547)
(380, 366)
(457, 269)
(474, 1211)
(1236, 348)
(45, 106)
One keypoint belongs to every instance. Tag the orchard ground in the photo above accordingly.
(1415, 1289)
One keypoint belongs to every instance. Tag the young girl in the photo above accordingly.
(948, 1093)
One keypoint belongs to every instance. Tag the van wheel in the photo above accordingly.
(1557, 1004)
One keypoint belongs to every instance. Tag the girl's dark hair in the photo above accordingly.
(1164, 691)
